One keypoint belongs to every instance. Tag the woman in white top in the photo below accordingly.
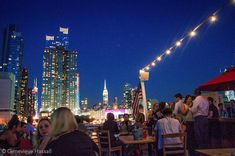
(188, 103)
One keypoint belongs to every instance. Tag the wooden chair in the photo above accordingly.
(94, 135)
(175, 148)
(105, 143)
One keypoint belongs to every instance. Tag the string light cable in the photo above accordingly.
(212, 18)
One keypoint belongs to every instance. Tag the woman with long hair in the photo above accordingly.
(139, 120)
(66, 139)
(186, 114)
(188, 103)
(42, 138)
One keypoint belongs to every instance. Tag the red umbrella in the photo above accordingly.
(225, 81)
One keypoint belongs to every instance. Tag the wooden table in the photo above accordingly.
(129, 139)
(217, 151)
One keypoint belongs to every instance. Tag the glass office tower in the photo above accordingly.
(11, 57)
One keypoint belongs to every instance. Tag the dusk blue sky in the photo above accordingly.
(115, 38)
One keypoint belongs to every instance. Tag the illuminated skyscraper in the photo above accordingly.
(59, 84)
(11, 57)
(105, 95)
(35, 94)
(77, 110)
(23, 94)
(26, 98)
(84, 104)
(128, 95)
(30, 107)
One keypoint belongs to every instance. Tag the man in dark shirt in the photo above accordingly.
(112, 126)
(213, 111)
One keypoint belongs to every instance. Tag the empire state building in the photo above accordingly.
(105, 94)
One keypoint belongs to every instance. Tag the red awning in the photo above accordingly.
(225, 81)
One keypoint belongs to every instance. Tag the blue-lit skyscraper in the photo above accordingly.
(77, 110)
(11, 57)
(60, 84)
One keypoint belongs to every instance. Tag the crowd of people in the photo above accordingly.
(57, 136)
(174, 117)
(65, 134)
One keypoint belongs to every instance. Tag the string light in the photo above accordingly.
(192, 33)
(212, 19)
(159, 58)
(168, 52)
(178, 43)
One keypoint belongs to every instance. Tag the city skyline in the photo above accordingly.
(115, 39)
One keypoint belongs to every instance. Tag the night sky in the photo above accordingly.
(115, 38)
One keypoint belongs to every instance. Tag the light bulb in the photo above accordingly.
(159, 58)
(192, 33)
(168, 52)
(213, 18)
(178, 43)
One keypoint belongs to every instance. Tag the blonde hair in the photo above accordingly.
(62, 120)
(140, 118)
(155, 106)
(37, 138)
